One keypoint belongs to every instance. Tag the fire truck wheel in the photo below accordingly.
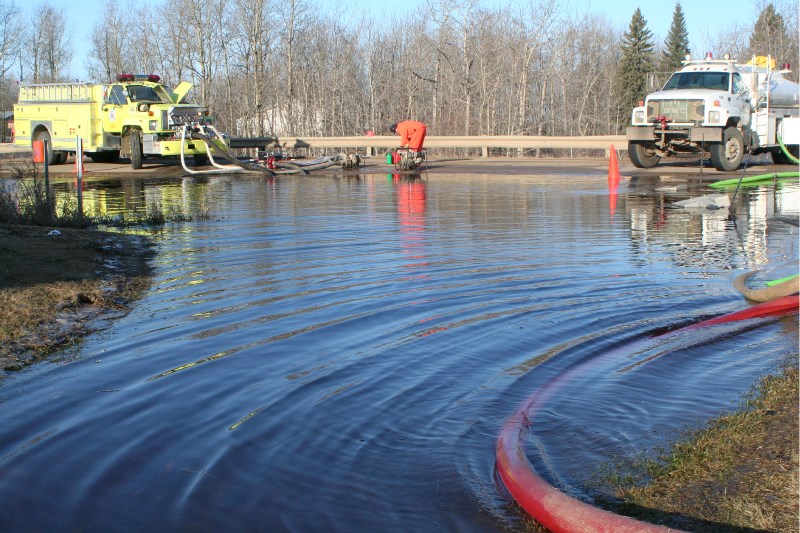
(641, 156)
(51, 156)
(728, 154)
(136, 149)
(200, 159)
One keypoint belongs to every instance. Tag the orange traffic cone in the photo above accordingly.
(613, 168)
(613, 180)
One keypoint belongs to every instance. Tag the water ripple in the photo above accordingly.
(339, 354)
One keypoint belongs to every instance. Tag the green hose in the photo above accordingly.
(786, 151)
(753, 179)
(777, 281)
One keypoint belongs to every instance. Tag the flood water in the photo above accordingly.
(330, 353)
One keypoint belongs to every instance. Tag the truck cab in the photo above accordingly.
(708, 106)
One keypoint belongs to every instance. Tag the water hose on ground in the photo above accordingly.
(552, 508)
(753, 179)
(781, 287)
(555, 510)
(211, 146)
(786, 151)
(781, 280)
(778, 307)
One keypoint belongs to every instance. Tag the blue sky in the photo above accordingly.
(703, 18)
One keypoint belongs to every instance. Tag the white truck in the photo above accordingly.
(721, 108)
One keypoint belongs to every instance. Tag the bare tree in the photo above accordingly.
(109, 39)
(296, 23)
(204, 41)
(10, 36)
(48, 45)
(282, 68)
(379, 64)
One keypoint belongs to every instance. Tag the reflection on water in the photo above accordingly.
(339, 353)
(411, 215)
(703, 235)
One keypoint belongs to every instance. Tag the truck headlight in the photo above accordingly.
(153, 125)
(638, 117)
(713, 117)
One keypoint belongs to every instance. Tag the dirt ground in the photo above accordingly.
(436, 164)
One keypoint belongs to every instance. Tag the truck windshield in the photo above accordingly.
(698, 80)
(142, 93)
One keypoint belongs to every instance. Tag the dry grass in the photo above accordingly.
(739, 474)
(53, 286)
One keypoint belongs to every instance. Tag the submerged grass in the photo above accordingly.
(740, 473)
(30, 202)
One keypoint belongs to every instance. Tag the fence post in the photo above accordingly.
(79, 173)
(50, 206)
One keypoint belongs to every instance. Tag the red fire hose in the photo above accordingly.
(556, 510)
(777, 307)
(550, 507)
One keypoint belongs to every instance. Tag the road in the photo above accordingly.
(15, 158)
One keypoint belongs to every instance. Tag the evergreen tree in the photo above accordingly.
(769, 35)
(677, 43)
(635, 65)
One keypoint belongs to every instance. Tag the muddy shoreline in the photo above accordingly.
(61, 284)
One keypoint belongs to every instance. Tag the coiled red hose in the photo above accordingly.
(556, 510)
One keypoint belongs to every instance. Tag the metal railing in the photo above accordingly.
(376, 142)
(484, 142)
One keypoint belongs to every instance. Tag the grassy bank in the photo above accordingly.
(740, 473)
(57, 284)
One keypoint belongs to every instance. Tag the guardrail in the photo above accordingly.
(9, 148)
(374, 142)
(484, 142)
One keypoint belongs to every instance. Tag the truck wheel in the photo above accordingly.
(136, 149)
(728, 154)
(641, 156)
(200, 159)
(51, 156)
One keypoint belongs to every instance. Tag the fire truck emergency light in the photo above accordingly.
(155, 78)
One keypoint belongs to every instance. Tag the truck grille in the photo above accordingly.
(676, 110)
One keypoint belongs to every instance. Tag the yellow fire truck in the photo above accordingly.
(135, 117)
